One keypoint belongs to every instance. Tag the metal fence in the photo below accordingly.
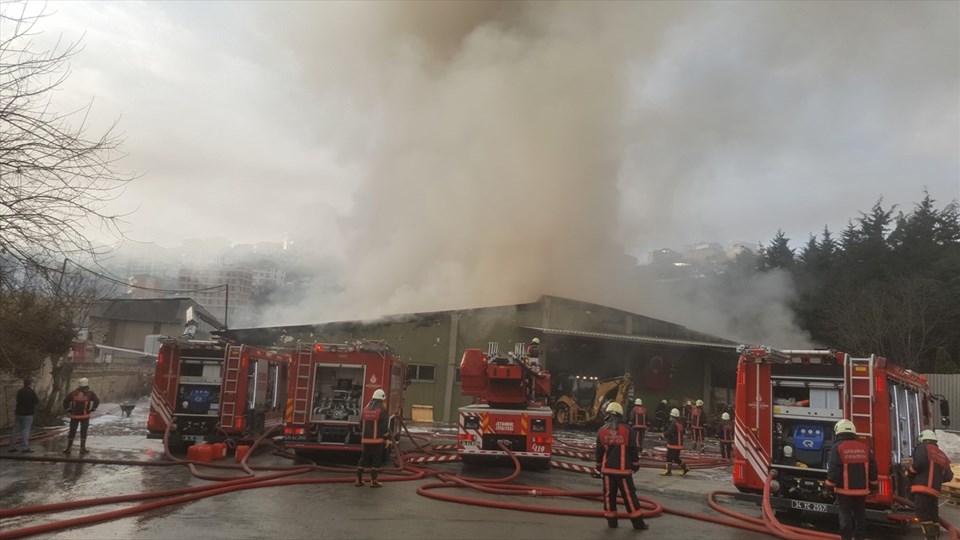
(949, 387)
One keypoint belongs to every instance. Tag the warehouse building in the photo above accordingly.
(666, 360)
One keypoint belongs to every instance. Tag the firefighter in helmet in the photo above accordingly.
(638, 420)
(533, 350)
(617, 460)
(852, 473)
(696, 425)
(930, 469)
(726, 436)
(661, 414)
(673, 434)
(686, 416)
(374, 426)
(80, 403)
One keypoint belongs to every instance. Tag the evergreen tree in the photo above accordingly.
(943, 362)
(778, 254)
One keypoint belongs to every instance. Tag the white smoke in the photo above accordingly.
(510, 150)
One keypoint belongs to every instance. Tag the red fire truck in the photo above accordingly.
(787, 405)
(216, 391)
(329, 386)
(510, 408)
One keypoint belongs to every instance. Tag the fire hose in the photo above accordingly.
(497, 486)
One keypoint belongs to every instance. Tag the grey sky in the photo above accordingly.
(432, 136)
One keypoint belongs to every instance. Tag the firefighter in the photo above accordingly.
(687, 412)
(929, 470)
(617, 460)
(726, 436)
(374, 426)
(80, 403)
(673, 434)
(638, 418)
(852, 473)
(533, 350)
(661, 414)
(696, 425)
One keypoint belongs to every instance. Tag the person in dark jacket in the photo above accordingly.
(638, 421)
(930, 469)
(374, 426)
(617, 460)
(27, 402)
(852, 473)
(662, 415)
(726, 436)
(80, 403)
(673, 435)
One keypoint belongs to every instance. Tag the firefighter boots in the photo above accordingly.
(612, 523)
(359, 482)
(374, 483)
(931, 529)
(83, 447)
(639, 524)
(685, 469)
(69, 446)
(666, 471)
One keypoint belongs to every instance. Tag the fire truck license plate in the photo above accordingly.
(808, 506)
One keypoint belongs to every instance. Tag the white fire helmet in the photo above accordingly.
(844, 426)
(725, 416)
(615, 408)
(638, 402)
(536, 340)
(674, 413)
(699, 403)
(84, 382)
(379, 394)
(928, 435)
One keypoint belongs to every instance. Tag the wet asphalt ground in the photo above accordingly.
(328, 510)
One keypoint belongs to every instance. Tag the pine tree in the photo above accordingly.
(778, 254)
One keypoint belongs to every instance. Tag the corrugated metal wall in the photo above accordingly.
(949, 387)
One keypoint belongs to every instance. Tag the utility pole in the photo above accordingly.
(63, 271)
(226, 308)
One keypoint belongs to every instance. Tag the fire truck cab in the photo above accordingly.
(787, 403)
(511, 408)
(216, 391)
(330, 385)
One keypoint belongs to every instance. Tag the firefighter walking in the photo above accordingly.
(674, 437)
(696, 425)
(852, 473)
(80, 403)
(617, 460)
(726, 436)
(374, 424)
(638, 419)
(930, 469)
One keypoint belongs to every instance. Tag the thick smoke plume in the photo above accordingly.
(509, 150)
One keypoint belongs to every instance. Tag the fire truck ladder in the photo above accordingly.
(231, 378)
(302, 393)
(860, 397)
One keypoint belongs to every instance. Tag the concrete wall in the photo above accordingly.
(112, 383)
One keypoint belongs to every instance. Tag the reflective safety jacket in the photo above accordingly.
(674, 435)
(696, 418)
(80, 403)
(638, 417)
(726, 432)
(374, 423)
(851, 468)
(616, 451)
(930, 469)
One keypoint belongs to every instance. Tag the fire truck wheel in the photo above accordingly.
(562, 415)
(538, 465)
(231, 444)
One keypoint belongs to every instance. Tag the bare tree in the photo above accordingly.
(55, 177)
